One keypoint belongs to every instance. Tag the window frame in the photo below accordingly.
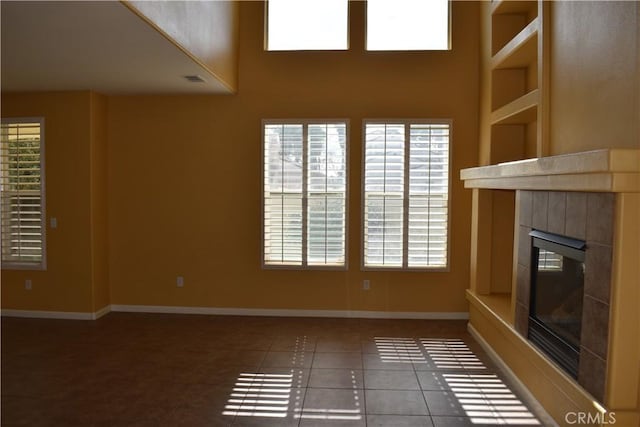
(23, 265)
(449, 34)
(404, 267)
(265, 38)
(304, 266)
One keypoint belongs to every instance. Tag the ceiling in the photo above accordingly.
(101, 46)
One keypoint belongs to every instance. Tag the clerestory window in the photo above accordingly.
(408, 25)
(307, 25)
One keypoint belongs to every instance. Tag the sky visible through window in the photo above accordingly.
(407, 25)
(307, 25)
(391, 25)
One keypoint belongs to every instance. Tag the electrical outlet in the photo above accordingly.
(53, 222)
(27, 284)
(180, 281)
(366, 285)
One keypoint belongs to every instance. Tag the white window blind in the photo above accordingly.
(406, 193)
(549, 261)
(307, 24)
(22, 185)
(305, 185)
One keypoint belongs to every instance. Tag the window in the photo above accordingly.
(307, 24)
(549, 261)
(408, 25)
(22, 187)
(406, 194)
(305, 188)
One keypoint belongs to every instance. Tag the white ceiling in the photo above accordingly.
(100, 46)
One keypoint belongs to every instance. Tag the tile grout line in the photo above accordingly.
(245, 344)
(415, 372)
(364, 386)
(306, 388)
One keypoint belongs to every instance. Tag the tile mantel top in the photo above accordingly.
(607, 170)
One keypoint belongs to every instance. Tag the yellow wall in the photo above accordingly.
(185, 174)
(595, 76)
(177, 165)
(99, 200)
(76, 279)
(66, 284)
(485, 107)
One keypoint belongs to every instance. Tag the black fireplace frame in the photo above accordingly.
(564, 353)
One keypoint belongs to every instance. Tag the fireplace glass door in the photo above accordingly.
(557, 290)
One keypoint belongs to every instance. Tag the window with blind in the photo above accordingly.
(307, 25)
(406, 194)
(305, 194)
(22, 188)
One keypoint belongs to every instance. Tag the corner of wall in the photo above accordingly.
(100, 293)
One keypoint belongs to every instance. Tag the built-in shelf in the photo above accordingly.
(522, 110)
(515, 146)
(607, 170)
(501, 7)
(521, 51)
(517, 98)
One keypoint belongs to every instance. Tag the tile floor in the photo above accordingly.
(180, 370)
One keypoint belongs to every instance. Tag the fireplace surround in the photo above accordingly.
(587, 220)
(595, 192)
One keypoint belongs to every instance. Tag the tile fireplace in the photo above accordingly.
(593, 196)
(564, 280)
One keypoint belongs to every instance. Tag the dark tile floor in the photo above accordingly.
(181, 370)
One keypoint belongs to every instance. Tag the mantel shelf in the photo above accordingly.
(607, 170)
(521, 51)
(522, 110)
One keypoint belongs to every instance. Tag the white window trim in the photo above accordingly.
(42, 266)
(304, 266)
(405, 122)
